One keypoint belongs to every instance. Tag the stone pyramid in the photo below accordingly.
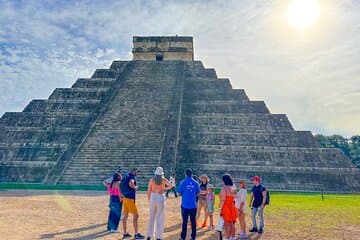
(163, 108)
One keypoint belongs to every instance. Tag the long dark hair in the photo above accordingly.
(116, 178)
(227, 180)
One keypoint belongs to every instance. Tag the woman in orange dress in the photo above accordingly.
(227, 206)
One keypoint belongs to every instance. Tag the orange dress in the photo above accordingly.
(228, 210)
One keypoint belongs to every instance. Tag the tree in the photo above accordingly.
(350, 147)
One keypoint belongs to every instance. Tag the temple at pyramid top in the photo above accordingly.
(163, 48)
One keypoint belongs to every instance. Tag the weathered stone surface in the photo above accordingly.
(176, 114)
(163, 48)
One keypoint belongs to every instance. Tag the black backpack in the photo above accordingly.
(267, 201)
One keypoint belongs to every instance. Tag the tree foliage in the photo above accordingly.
(350, 146)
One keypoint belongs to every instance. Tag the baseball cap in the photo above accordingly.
(135, 170)
(255, 178)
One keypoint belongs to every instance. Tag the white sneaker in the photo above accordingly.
(243, 236)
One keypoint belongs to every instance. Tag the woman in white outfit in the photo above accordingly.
(157, 187)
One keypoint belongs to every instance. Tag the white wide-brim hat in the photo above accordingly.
(159, 171)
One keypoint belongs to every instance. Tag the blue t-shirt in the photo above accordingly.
(128, 191)
(188, 188)
(258, 197)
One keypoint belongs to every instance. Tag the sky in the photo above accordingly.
(312, 74)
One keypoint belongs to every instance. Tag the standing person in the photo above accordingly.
(257, 204)
(240, 204)
(227, 206)
(173, 183)
(210, 201)
(109, 180)
(188, 189)
(204, 180)
(156, 196)
(115, 203)
(129, 188)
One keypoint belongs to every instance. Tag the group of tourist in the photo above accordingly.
(197, 195)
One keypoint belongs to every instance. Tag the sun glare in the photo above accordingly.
(302, 14)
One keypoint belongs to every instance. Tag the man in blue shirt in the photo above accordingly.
(188, 189)
(257, 204)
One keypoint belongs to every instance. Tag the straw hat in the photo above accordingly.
(204, 176)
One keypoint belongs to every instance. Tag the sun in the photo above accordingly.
(302, 14)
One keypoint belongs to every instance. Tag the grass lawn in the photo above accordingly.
(296, 213)
(77, 214)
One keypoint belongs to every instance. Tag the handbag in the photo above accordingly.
(220, 224)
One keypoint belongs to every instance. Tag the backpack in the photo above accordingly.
(267, 201)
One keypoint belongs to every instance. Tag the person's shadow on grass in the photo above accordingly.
(78, 230)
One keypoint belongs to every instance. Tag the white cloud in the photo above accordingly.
(313, 78)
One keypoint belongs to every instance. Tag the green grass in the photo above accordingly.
(299, 207)
(306, 216)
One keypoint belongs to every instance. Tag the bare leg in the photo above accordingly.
(232, 229)
(242, 222)
(211, 220)
(135, 223)
(227, 229)
(198, 212)
(206, 214)
(125, 217)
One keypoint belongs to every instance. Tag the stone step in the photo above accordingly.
(75, 101)
(239, 121)
(105, 73)
(278, 169)
(279, 139)
(299, 178)
(17, 156)
(118, 66)
(246, 107)
(218, 83)
(69, 106)
(24, 120)
(211, 94)
(100, 173)
(24, 158)
(105, 167)
(94, 83)
(33, 145)
(39, 130)
(286, 156)
(229, 148)
(200, 72)
(41, 136)
(27, 164)
(86, 157)
(29, 172)
(78, 93)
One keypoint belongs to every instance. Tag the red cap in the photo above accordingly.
(255, 178)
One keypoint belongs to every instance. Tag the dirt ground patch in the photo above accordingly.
(42, 214)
